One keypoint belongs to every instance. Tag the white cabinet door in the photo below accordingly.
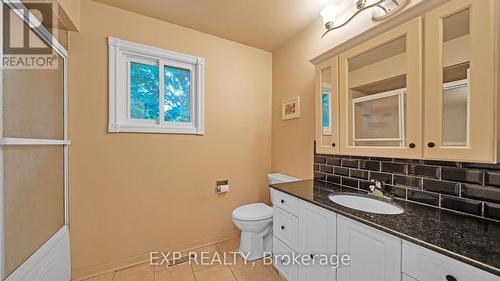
(375, 255)
(317, 238)
(426, 265)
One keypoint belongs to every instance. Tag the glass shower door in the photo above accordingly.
(33, 157)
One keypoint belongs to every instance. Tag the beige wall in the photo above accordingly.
(293, 75)
(71, 9)
(132, 193)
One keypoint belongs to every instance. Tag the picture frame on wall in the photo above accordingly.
(290, 108)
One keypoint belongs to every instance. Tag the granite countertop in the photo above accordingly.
(472, 240)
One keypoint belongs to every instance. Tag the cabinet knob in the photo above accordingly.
(450, 278)
(282, 201)
(283, 227)
(431, 144)
(333, 144)
(412, 145)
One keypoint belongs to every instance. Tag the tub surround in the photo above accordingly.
(466, 238)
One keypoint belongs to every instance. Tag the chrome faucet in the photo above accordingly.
(377, 189)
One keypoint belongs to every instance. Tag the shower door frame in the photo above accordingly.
(34, 265)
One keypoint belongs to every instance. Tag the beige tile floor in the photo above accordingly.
(237, 270)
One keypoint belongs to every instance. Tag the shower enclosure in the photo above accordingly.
(33, 150)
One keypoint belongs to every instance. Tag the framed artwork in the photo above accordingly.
(290, 108)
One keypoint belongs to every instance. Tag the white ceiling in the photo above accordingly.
(264, 24)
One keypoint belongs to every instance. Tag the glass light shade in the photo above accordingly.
(359, 4)
(329, 14)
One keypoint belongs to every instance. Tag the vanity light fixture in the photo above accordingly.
(382, 9)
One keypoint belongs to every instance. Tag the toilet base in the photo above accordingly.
(254, 246)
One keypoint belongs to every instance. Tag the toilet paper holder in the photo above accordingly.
(222, 186)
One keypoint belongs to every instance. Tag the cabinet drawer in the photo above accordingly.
(286, 228)
(285, 202)
(426, 265)
(282, 259)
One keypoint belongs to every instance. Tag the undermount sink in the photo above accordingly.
(366, 204)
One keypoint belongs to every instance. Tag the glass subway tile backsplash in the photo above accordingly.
(470, 188)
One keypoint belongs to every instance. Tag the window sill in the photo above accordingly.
(124, 128)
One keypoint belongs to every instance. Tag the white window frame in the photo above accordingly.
(121, 54)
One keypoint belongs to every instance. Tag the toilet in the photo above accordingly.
(256, 224)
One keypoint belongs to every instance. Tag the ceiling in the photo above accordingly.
(264, 24)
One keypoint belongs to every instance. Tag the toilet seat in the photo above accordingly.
(253, 212)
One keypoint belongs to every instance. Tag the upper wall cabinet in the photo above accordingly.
(327, 112)
(418, 92)
(459, 111)
(381, 94)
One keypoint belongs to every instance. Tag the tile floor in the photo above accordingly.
(236, 271)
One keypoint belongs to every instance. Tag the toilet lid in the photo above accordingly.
(253, 212)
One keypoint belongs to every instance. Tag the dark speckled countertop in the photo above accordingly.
(472, 240)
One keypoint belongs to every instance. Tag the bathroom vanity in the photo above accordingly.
(422, 243)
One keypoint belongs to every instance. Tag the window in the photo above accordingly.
(153, 90)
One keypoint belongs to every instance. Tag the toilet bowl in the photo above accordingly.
(256, 224)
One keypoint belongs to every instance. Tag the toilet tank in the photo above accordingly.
(279, 178)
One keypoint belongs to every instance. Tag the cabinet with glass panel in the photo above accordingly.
(390, 105)
(327, 112)
(381, 94)
(460, 82)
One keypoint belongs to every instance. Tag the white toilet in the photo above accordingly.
(256, 224)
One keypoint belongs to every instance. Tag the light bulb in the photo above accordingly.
(329, 15)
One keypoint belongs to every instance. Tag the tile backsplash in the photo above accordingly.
(470, 188)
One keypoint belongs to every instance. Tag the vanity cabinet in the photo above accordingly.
(327, 107)
(460, 90)
(426, 89)
(317, 236)
(375, 255)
